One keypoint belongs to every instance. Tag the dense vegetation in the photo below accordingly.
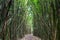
(38, 17)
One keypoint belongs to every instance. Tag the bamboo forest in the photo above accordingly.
(29, 19)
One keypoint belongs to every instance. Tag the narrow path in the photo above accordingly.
(30, 37)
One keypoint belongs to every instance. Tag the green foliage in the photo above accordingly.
(31, 16)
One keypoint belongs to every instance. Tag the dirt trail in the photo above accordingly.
(30, 37)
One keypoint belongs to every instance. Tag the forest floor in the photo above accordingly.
(30, 37)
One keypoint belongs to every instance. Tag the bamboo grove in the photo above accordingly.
(20, 17)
